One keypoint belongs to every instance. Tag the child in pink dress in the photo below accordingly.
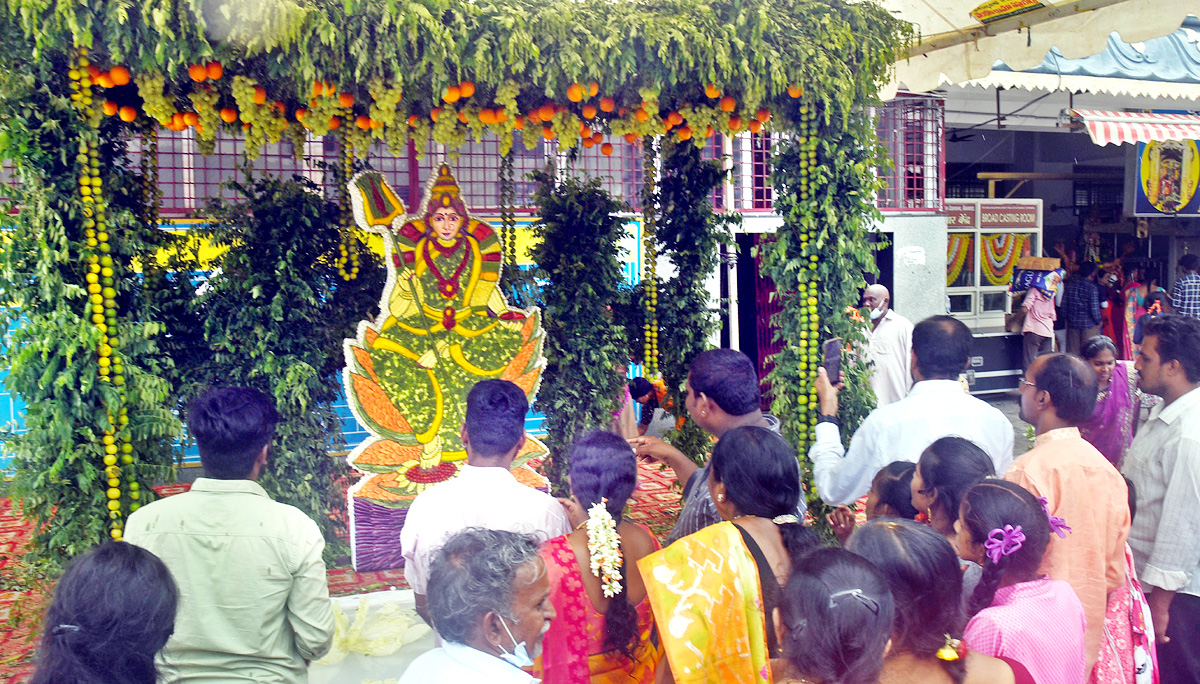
(1018, 615)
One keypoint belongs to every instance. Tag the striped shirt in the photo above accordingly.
(1185, 295)
(1163, 463)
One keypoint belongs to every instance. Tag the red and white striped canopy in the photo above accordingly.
(1133, 127)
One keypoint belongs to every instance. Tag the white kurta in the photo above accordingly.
(889, 347)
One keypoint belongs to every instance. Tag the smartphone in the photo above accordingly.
(832, 358)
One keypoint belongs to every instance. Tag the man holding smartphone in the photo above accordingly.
(936, 407)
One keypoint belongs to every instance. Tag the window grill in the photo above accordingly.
(912, 128)
(752, 191)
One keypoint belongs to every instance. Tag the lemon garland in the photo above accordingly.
(508, 217)
(604, 548)
(348, 250)
(101, 294)
(650, 258)
(810, 332)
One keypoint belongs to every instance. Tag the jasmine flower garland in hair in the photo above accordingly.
(604, 546)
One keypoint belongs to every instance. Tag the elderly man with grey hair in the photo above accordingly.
(489, 599)
(889, 345)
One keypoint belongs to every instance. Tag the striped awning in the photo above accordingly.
(1133, 127)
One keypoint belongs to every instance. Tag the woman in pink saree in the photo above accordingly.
(604, 632)
(1113, 422)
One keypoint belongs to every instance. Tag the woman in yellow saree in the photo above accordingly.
(713, 592)
(604, 632)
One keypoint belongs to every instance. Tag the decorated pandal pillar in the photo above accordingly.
(443, 326)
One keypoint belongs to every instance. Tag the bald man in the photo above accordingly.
(889, 343)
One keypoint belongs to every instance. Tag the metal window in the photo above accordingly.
(912, 128)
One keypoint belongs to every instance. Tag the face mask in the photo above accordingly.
(876, 313)
(520, 657)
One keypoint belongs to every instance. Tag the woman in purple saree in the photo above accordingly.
(1113, 422)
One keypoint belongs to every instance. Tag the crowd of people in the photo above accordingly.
(1077, 562)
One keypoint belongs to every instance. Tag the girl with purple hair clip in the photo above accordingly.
(1017, 615)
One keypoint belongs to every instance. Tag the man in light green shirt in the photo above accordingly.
(254, 603)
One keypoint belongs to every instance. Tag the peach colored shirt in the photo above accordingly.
(1086, 490)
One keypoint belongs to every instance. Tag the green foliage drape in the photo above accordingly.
(51, 355)
(273, 316)
(578, 252)
(689, 233)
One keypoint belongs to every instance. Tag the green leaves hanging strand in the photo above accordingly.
(579, 234)
(825, 193)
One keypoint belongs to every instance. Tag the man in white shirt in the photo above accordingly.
(1163, 464)
(936, 407)
(489, 599)
(889, 346)
(485, 493)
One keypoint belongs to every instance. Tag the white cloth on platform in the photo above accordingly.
(900, 432)
(478, 497)
(459, 664)
(889, 346)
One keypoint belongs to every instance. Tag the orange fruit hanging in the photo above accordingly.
(229, 115)
(728, 104)
(191, 118)
(462, 116)
(502, 115)
(593, 88)
(795, 91)
(631, 138)
(708, 132)
(300, 113)
(346, 100)
(607, 104)
(334, 123)
(451, 94)
(466, 89)
(260, 95)
(412, 119)
(589, 111)
(318, 89)
(546, 112)
(119, 76)
(588, 143)
(684, 133)
(110, 107)
(755, 126)
(519, 123)
(712, 91)
(574, 92)
(434, 113)
(197, 72)
(735, 123)
(214, 70)
(329, 89)
(606, 148)
(104, 80)
(177, 121)
(597, 137)
(763, 115)
(674, 118)
(363, 122)
(640, 114)
(487, 116)
(547, 133)
(127, 114)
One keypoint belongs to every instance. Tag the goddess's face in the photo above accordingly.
(446, 222)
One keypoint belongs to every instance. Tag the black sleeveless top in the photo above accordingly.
(768, 586)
